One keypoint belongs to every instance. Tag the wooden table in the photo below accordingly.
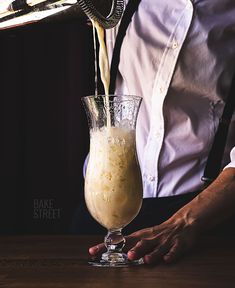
(61, 261)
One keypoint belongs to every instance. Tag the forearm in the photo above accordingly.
(212, 206)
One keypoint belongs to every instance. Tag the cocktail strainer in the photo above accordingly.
(108, 21)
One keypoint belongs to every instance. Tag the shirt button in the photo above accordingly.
(157, 134)
(151, 178)
(175, 45)
(161, 89)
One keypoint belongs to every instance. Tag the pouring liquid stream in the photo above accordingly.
(103, 65)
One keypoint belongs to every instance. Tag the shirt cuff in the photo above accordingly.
(232, 158)
(85, 165)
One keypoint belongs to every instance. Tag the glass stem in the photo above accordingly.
(114, 241)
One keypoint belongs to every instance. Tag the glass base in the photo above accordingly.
(111, 259)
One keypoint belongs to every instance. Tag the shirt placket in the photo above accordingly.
(161, 84)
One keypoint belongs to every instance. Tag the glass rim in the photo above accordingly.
(113, 95)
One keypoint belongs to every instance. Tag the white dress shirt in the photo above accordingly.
(179, 55)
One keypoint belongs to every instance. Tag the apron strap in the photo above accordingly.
(131, 8)
(214, 160)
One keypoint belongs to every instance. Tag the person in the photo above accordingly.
(180, 57)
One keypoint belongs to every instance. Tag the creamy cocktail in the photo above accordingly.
(113, 182)
(113, 186)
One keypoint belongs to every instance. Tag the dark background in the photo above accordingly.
(45, 69)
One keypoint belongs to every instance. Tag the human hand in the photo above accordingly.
(167, 241)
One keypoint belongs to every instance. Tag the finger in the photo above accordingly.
(156, 255)
(143, 233)
(95, 250)
(134, 238)
(131, 241)
(175, 252)
(143, 247)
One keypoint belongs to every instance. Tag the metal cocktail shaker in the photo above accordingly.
(106, 12)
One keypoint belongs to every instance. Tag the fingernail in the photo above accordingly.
(167, 259)
(147, 259)
(93, 249)
(132, 254)
(96, 249)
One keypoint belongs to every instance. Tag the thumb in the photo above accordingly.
(95, 250)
